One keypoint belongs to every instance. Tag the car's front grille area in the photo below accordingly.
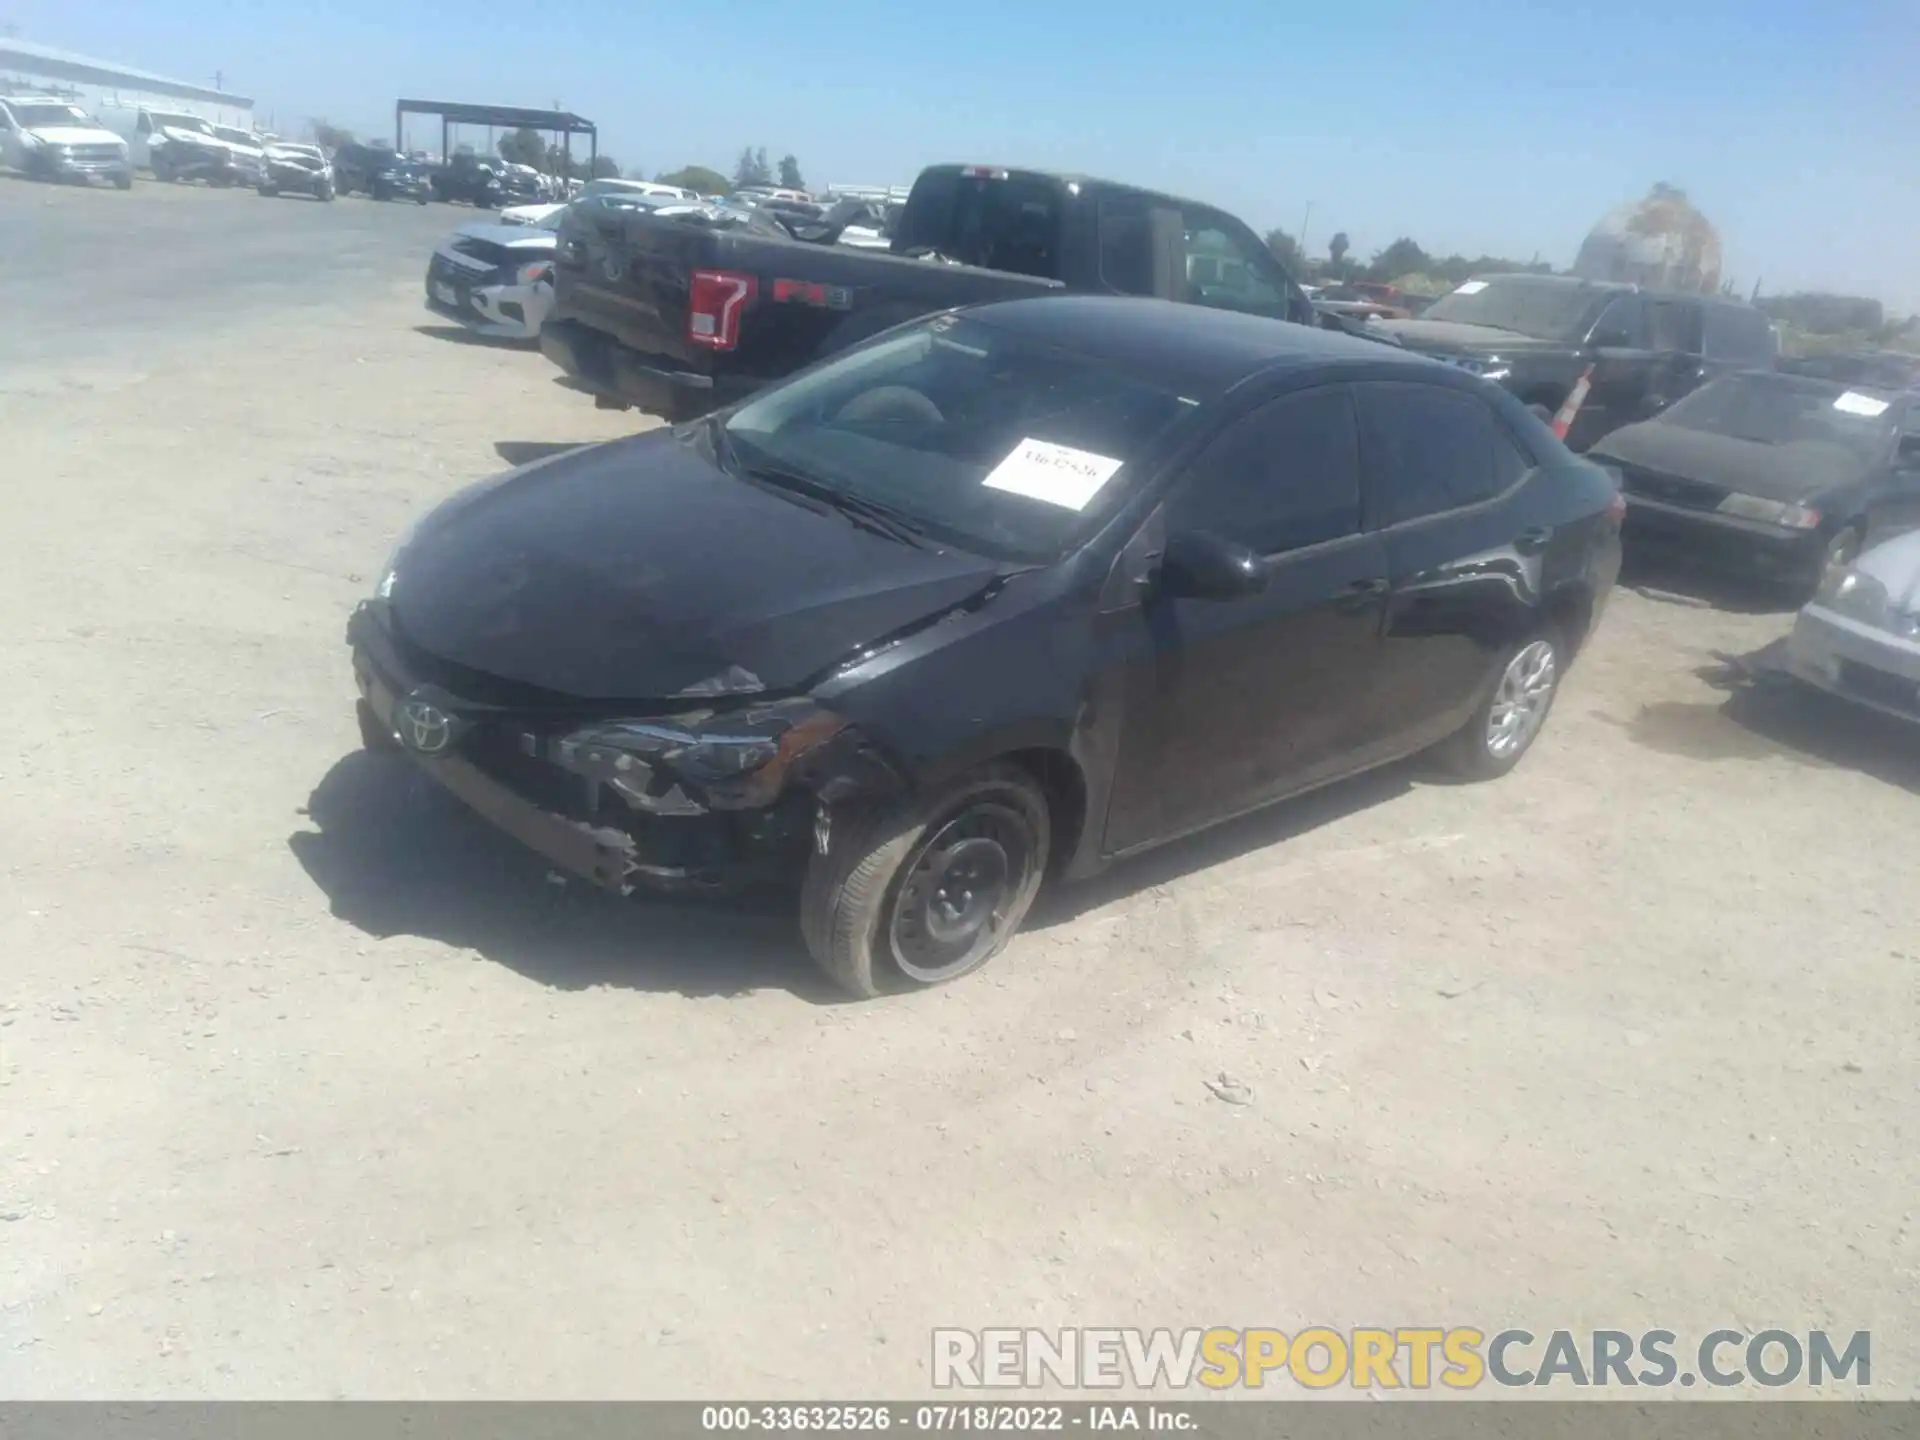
(1881, 688)
(1671, 489)
(96, 154)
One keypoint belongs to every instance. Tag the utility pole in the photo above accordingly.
(1303, 229)
(218, 77)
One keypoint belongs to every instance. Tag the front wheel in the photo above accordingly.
(1509, 718)
(325, 192)
(930, 889)
(267, 192)
(123, 182)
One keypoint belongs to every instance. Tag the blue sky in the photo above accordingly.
(1484, 126)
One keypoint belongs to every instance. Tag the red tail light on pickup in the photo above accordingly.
(716, 299)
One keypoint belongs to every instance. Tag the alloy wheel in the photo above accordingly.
(1520, 703)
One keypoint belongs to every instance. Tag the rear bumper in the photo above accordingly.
(1750, 545)
(655, 384)
(1856, 662)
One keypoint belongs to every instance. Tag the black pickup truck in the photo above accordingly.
(467, 177)
(1536, 335)
(680, 314)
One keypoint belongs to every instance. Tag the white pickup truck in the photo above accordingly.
(52, 139)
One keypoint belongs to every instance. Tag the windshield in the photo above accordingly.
(983, 440)
(237, 136)
(1784, 410)
(163, 121)
(32, 117)
(1543, 308)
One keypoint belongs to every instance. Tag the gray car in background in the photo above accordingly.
(1860, 636)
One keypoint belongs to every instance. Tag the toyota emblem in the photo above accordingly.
(424, 727)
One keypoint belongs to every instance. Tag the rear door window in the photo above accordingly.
(1428, 448)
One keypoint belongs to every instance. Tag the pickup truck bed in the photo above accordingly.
(640, 318)
(679, 316)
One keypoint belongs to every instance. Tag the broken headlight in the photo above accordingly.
(736, 759)
(1857, 595)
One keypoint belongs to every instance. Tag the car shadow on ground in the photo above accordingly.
(525, 452)
(460, 335)
(397, 855)
(1767, 713)
(1261, 830)
(1671, 577)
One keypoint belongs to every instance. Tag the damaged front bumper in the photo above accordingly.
(626, 804)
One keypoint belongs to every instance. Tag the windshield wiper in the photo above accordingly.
(870, 515)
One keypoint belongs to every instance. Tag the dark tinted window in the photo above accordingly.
(1286, 476)
(1622, 323)
(1673, 326)
(1010, 223)
(1430, 449)
(1126, 244)
(1738, 334)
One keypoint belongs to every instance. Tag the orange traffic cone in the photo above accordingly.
(1576, 397)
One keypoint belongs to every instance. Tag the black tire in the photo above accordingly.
(267, 192)
(1475, 751)
(421, 199)
(123, 182)
(325, 192)
(871, 908)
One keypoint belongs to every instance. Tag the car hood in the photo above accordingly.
(530, 214)
(1896, 564)
(520, 237)
(294, 157)
(637, 571)
(73, 135)
(1799, 471)
(1450, 336)
(178, 136)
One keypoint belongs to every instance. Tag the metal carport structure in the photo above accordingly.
(499, 117)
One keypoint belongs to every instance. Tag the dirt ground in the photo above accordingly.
(310, 1085)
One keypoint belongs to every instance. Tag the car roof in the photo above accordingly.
(1194, 349)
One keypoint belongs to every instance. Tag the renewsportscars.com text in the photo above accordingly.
(1407, 1357)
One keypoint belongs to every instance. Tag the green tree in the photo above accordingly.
(1402, 257)
(790, 174)
(329, 136)
(523, 147)
(1285, 249)
(1337, 249)
(752, 168)
(605, 167)
(697, 178)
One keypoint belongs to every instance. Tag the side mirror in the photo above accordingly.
(1198, 566)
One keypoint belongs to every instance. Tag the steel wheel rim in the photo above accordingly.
(958, 890)
(1520, 702)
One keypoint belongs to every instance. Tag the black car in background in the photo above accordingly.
(1782, 476)
(380, 173)
(999, 594)
(468, 179)
(1537, 334)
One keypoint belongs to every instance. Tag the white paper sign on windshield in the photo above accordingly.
(1057, 474)
(1472, 287)
(1857, 404)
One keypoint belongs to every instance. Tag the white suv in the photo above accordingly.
(51, 139)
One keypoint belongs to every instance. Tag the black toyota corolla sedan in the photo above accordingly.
(999, 594)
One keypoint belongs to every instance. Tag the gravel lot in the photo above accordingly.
(311, 1086)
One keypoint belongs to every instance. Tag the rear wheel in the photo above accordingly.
(267, 191)
(1509, 718)
(931, 889)
(325, 192)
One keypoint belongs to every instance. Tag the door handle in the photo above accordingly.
(1360, 594)
(1532, 540)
